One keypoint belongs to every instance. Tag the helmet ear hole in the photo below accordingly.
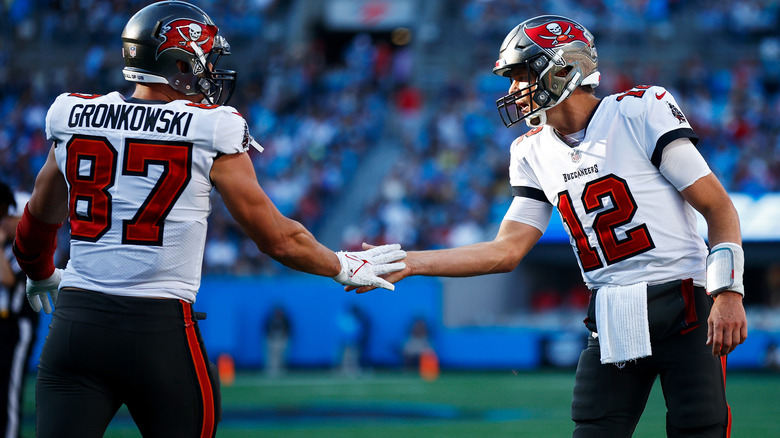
(562, 73)
(183, 66)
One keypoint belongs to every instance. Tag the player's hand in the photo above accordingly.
(392, 277)
(37, 291)
(363, 268)
(727, 324)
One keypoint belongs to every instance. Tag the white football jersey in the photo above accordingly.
(626, 222)
(138, 185)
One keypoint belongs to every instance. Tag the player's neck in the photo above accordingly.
(573, 114)
(158, 92)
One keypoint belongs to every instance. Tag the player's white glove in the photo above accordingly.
(37, 291)
(363, 268)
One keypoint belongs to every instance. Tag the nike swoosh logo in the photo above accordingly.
(689, 329)
(660, 96)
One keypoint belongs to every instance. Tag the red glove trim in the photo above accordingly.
(34, 246)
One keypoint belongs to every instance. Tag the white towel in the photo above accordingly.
(621, 317)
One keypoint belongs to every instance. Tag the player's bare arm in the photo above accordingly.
(49, 200)
(289, 242)
(36, 234)
(284, 239)
(513, 241)
(727, 324)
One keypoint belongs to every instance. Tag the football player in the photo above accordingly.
(626, 178)
(133, 176)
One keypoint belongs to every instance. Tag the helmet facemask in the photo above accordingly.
(204, 78)
(540, 98)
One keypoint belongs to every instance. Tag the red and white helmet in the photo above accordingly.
(165, 32)
(555, 50)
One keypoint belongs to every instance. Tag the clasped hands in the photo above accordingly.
(363, 268)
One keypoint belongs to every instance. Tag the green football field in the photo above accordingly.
(393, 404)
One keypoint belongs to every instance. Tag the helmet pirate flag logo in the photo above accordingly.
(554, 34)
(179, 34)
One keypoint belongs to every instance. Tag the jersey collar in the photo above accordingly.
(145, 101)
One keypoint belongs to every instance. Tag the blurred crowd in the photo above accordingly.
(318, 111)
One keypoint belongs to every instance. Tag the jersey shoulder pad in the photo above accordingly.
(636, 101)
(216, 110)
(71, 99)
(218, 127)
(529, 137)
(234, 131)
(644, 100)
(640, 92)
(60, 101)
(85, 96)
(56, 116)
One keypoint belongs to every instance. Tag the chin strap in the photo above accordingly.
(34, 246)
(538, 120)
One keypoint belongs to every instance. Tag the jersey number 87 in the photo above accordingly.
(91, 169)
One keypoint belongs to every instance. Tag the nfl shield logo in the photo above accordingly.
(132, 51)
(576, 156)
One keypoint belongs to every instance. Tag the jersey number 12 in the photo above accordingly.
(621, 212)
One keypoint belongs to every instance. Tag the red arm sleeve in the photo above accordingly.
(34, 246)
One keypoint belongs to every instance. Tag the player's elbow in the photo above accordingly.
(281, 246)
(498, 263)
(506, 264)
(508, 256)
(281, 241)
(278, 249)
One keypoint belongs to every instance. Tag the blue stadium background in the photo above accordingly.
(379, 125)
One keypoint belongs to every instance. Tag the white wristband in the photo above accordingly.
(725, 267)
